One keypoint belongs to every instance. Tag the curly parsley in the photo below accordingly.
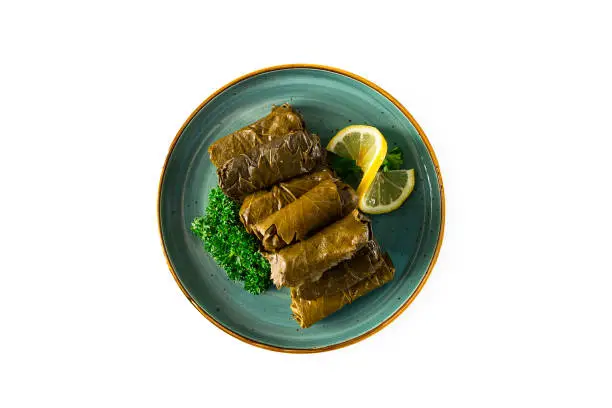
(231, 246)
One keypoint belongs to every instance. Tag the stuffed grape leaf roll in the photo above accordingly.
(325, 203)
(259, 205)
(307, 260)
(307, 312)
(280, 121)
(367, 261)
(283, 158)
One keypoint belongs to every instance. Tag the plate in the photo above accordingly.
(329, 99)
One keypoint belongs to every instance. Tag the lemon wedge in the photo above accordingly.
(387, 192)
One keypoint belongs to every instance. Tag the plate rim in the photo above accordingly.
(432, 263)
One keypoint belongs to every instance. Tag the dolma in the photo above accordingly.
(307, 312)
(307, 260)
(279, 122)
(367, 261)
(283, 158)
(260, 204)
(327, 202)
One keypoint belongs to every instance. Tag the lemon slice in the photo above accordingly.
(387, 192)
(364, 144)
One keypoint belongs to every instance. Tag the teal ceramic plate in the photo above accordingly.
(329, 99)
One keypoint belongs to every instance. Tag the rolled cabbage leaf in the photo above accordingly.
(259, 205)
(327, 202)
(307, 260)
(279, 122)
(282, 159)
(307, 312)
(367, 261)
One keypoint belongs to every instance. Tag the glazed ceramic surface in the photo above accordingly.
(329, 100)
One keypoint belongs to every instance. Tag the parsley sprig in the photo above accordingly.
(350, 173)
(231, 246)
(393, 160)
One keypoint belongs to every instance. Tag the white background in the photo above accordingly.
(515, 98)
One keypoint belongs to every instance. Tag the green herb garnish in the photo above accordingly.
(393, 160)
(350, 173)
(345, 168)
(231, 246)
